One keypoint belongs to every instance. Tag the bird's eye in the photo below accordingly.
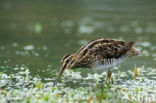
(65, 57)
(67, 60)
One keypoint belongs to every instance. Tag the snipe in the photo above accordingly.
(99, 55)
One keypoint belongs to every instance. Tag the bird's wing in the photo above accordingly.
(112, 49)
(92, 43)
(104, 48)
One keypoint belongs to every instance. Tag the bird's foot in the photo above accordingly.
(109, 79)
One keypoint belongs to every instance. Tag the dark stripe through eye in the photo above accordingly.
(72, 61)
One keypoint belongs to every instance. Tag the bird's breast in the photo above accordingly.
(103, 65)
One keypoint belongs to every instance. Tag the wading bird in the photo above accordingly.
(99, 55)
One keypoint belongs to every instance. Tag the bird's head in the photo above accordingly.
(67, 62)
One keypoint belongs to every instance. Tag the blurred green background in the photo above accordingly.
(37, 33)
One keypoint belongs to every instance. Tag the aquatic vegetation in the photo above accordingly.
(29, 47)
(25, 55)
(37, 28)
(22, 87)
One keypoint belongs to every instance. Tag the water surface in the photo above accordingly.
(37, 34)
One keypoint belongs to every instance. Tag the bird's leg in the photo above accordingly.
(108, 78)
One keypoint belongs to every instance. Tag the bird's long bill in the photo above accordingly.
(58, 76)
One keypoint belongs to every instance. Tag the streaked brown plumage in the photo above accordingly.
(100, 53)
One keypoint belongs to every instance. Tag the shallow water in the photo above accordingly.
(34, 36)
(37, 34)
